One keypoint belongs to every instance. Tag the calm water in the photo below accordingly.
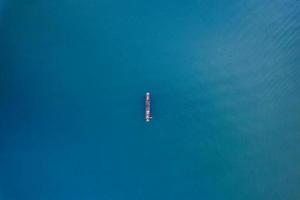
(225, 83)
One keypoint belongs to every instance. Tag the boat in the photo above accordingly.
(147, 107)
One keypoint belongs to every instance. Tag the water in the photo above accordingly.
(224, 78)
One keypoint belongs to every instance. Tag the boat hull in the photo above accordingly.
(147, 108)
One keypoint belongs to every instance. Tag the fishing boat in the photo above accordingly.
(147, 107)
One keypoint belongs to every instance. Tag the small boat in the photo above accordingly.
(147, 107)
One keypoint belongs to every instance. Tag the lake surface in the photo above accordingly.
(225, 84)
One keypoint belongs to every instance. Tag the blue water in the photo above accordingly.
(225, 84)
